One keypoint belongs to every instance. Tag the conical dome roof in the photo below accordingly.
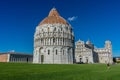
(53, 17)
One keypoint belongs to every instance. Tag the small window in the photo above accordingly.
(61, 29)
(48, 29)
(71, 30)
(54, 29)
(63, 52)
(41, 40)
(56, 52)
(53, 40)
(66, 28)
(48, 52)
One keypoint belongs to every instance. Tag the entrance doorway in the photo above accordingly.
(42, 59)
(80, 60)
(86, 59)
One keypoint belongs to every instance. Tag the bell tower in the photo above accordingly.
(108, 45)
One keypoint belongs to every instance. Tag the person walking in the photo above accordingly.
(108, 65)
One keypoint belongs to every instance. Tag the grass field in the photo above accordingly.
(22, 71)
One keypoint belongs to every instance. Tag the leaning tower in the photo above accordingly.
(108, 47)
(53, 40)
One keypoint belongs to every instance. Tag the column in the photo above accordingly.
(39, 42)
(44, 41)
(51, 41)
(57, 41)
(47, 41)
(62, 41)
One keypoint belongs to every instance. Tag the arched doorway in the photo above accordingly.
(70, 55)
(41, 56)
(86, 59)
(80, 59)
(42, 59)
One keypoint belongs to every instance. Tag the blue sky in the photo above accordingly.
(97, 20)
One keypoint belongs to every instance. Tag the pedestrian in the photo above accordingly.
(108, 65)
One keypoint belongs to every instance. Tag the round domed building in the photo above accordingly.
(53, 40)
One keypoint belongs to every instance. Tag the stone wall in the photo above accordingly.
(3, 57)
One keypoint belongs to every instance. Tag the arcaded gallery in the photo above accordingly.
(15, 57)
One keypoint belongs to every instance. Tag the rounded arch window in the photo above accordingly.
(53, 40)
(48, 52)
(56, 52)
(41, 40)
(55, 29)
(61, 28)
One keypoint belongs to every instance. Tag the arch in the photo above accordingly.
(70, 55)
(58, 30)
(86, 59)
(54, 29)
(54, 40)
(80, 58)
(41, 40)
(42, 59)
(56, 51)
(62, 49)
(54, 48)
(61, 29)
(66, 28)
(41, 55)
(48, 52)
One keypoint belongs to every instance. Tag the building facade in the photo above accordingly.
(53, 40)
(87, 53)
(116, 59)
(15, 57)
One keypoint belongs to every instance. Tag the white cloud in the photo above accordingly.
(11, 51)
(72, 18)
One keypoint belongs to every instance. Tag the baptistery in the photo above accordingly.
(53, 40)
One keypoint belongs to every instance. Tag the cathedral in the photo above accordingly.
(53, 40)
(87, 53)
(54, 44)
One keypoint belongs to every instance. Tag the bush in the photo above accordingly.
(117, 61)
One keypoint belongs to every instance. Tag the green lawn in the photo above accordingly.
(22, 71)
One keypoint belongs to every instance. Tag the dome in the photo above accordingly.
(88, 42)
(53, 17)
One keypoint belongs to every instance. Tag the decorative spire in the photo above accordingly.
(53, 4)
(53, 12)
